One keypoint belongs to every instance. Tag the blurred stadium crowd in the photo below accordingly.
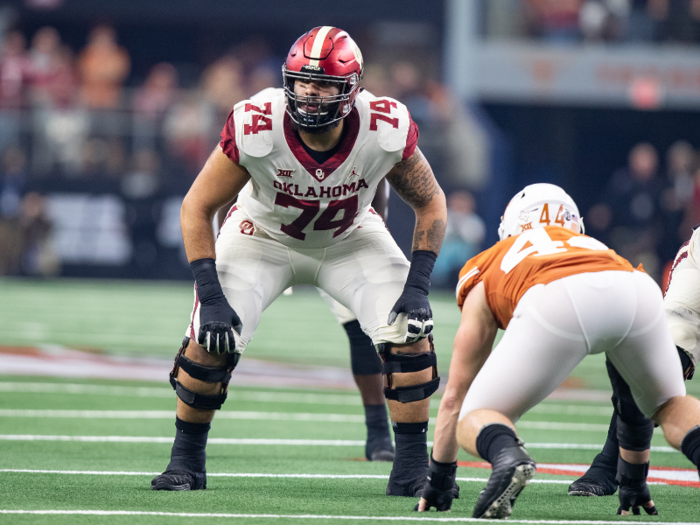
(570, 21)
(117, 149)
(72, 116)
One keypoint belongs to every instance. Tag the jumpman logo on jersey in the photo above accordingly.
(284, 173)
(354, 173)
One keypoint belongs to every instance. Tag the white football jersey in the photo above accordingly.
(682, 299)
(295, 200)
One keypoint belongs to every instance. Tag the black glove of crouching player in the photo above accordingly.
(217, 319)
(414, 299)
(686, 363)
(441, 486)
(634, 491)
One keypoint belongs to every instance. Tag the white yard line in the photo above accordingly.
(240, 475)
(682, 475)
(273, 442)
(265, 416)
(588, 409)
(150, 392)
(170, 414)
(311, 517)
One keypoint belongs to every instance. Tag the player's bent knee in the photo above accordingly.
(219, 375)
(400, 362)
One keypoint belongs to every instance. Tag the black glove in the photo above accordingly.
(441, 487)
(217, 320)
(414, 299)
(686, 363)
(634, 491)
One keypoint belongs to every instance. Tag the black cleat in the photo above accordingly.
(511, 472)
(382, 454)
(379, 450)
(595, 482)
(179, 480)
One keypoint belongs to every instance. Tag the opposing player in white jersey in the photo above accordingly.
(682, 305)
(311, 155)
(560, 296)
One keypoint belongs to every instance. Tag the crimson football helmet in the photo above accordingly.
(324, 55)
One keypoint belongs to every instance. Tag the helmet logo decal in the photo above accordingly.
(319, 40)
(358, 54)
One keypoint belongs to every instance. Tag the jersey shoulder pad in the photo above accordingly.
(386, 116)
(267, 94)
(255, 120)
(472, 273)
(694, 246)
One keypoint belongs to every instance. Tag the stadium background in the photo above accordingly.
(99, 143)
(505, 94)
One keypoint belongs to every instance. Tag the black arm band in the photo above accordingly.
(208, 285)
(422, 262)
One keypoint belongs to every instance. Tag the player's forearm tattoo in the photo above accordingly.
(414, 181)
(435, 234)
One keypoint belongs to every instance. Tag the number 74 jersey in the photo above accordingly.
(538, 256)
(297, 201)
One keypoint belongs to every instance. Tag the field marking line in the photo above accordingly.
(285, 442)
(169, 414)
(304, 476)
(249, 475)
(314, 516)
(266, 416)
(166, 392)
(596, 409)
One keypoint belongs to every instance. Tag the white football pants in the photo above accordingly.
(556, 325)
(365, 273)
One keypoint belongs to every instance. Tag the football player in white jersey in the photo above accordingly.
(364, 362)
(311, 155)
(682, 305)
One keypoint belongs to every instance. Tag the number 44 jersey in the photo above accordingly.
(297, 201)
(537, 256)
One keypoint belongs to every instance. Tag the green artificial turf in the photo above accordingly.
(148, 319)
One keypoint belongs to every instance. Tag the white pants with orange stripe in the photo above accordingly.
(364, 272)
(556, 325)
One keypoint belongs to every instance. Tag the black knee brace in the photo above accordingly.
(208, 374)
(403, 363)
(634, 430)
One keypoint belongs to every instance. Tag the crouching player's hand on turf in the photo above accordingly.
(219, 324)
(634, 492)
(635, 497)
(440, 487)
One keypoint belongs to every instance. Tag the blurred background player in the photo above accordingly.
(560, 296)
(323, 140)
(682, 304)
(364, 361)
